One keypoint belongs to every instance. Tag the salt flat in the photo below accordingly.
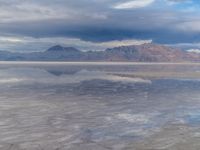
(71, 106)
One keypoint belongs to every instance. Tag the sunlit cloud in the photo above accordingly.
(124, 43)
(133, 4)
(11, 39)
(194, 51)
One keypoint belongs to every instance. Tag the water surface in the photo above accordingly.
(87, 106)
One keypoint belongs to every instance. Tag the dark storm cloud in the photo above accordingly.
(101, 20)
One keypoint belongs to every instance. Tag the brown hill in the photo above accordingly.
(150, 53)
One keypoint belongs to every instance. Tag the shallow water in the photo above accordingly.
(91, 106)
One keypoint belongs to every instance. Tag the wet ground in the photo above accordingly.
(101, 106)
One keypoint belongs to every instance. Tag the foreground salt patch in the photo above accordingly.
(127, 79)
(170, 137)
(134, 118)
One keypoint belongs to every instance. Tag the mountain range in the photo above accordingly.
(135, 53)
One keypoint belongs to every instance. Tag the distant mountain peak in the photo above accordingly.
(148, 52)
(56, 48)
(59, 48)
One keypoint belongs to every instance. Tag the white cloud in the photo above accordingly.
(33, 11)
(194, 51)
(189, 26)
(28, 44)
(134, 4)
(10, 39)
(172, 2)
(116, 43)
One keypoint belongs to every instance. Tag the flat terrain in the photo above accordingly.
(101, 106)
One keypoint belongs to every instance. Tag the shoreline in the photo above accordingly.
(95, 63)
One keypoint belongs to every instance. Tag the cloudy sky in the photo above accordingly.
(34, 25)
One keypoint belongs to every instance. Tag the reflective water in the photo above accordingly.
(74, 106)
